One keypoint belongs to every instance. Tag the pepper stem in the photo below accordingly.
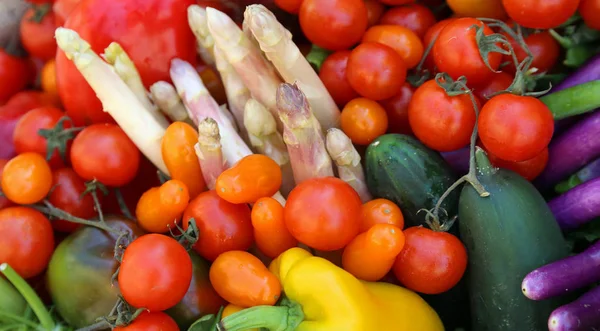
(484, 166)
(286, 317)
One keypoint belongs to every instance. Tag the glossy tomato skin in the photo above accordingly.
(529, 169)
(441, 122)
(323, 213)
(374, 11)
(363, 120)
(478, 8)
(105, 153)
(4, 202)
(38, 36)
(67, 195)
(80, 271)
(431, 36)
(26, 136)
(515, 128)
(456, 52)
(396, 108)
(223, 226)
(404, 41)
(201, 297)
(540, 14)
(333, 24)
(415, 17)
(333, 75)
(155, 321)
(27, 240)
(590, 12)
(131, 24)
(13, 74)
(544, 48)
(499, 82)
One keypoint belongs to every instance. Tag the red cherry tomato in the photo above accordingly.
(540, 14)
(105, 153)
(333, 24)
(529, 169)
(155, 273)
(590, 12)
(131, 24)
(155, 321)
(374, 11)
(14, 74)
(67, 195)
(376, 71)
(290, 6)
(430, 36)
(323, 213)
(396, 2)
(405, 42)
(37, 32)
(396, 108)
(415, 17)
(499, 82)
(543, 47)
(333, 75)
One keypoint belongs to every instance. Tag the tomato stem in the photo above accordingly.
(317, 56)
(29, 295)
(122, 204)
(91, 188)
(58, 137)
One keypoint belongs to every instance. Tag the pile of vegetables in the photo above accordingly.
(300, 165)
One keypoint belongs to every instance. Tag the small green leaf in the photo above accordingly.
(207, 322)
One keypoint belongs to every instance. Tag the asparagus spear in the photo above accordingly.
(276, 42)
(258, 75)
(303, 135)
(166, 98)
(347, 159)
(143, 127)
(204, 40)
(208, 150)
(265, 138)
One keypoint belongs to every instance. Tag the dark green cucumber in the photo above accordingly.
(403, 170)
(507, 235)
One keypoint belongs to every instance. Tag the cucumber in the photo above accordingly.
(507, 235)
(403, 170)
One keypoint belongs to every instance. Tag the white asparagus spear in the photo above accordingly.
(144, 128)
(204, 40)
(276, 42)
(209, 152)
(166, 98)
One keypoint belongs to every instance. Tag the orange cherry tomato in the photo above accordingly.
(242, 279)
(404, 41)
(380, 211)
(160, 208)
(180, 157)
(26, 178)
(363, 120)
(231, 309)
(4, 202)
(371, 255)
(270, 233)
(48, 76)
(253, 177)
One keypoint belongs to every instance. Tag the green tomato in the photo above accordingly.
(11, 300)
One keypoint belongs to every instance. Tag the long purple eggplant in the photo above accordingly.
(588, 72)
(582, 314)
(577, 206)
(572, 150)
(563, 276)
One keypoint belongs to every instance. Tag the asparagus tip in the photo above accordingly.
(208, 133)
(258, 120)
(70, 42)
(197, 19)
(291, 100)
(262, 23)
(222, 26)
(340, 147)
(113, 51)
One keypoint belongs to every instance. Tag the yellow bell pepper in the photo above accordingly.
(320, 296)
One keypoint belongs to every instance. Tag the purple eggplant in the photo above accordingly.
(588, 72)
(458, 160)
(563, 276)
(587, 173)
(577, 206)
(582, 314)
(572, 150)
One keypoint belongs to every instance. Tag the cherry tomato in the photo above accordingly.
(105, 153)
(165, 36)
(414, 17)
(376, 71)
(231, 309)
(323, 213)
(155, 273)
(515, 128)
(68, 196)
(405, 42)
(13, 74)
(178, 153)
(40, 2)
(253, 177)
(26, 137)
(380, 211)
(160, 208)
(529, 169)
(396, 2)
(371, 255)
(62, 9)
(333, 24)
(26, 178)
(150, 321)
(27, 242)
(271, 235)
(540, 14)
(30, 99)
(242, 279)
(48, 77)
(543, 47)
(374, 11)
(37, 32)
(363, 120)
(333, 75)
(456, 52)
(441, 122)
(590, 11)
(430, 36)
(431, 262)
(499, 82)
(396, 108)
(4, 202)
(223, 226)
(290, 6)
(478, 8)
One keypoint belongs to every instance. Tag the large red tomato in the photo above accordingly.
(152, 32)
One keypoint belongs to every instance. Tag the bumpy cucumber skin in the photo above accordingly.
(507, 235)
(403, 170)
